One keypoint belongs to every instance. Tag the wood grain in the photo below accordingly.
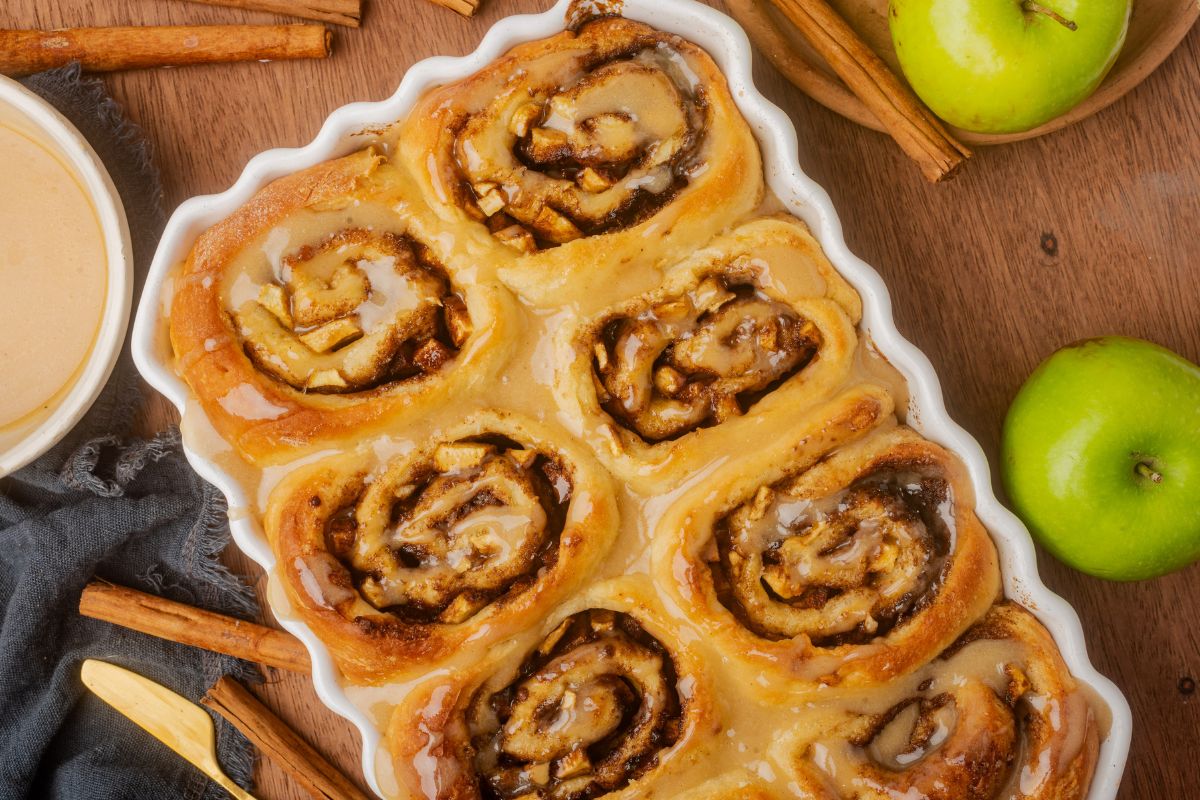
(339, 12)
(278, 742)
(975, 281)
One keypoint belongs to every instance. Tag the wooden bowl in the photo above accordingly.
(1155, 29)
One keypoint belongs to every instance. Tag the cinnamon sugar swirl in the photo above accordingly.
(572, 157)
(997, 716)
(752, 329)
(319, 310)
(460, 543)
(848, 565)
(606, 702)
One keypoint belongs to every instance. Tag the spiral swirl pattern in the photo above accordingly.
(588, 712)
(438, 541)
(558, 163)
(847, 555)
(574, 155)
(356, 311)
(842, 568)
(701, 358)
(995, 717)
(445, 549)
(324, 310)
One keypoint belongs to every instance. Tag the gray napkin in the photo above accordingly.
(103, 503)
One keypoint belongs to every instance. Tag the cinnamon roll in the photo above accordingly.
(602, 703)
(456, 544)
(573, 156)
(318, 310)
(996, 717)
(849, 560)
(756, 327)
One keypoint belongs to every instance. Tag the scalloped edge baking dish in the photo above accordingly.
(347, 129)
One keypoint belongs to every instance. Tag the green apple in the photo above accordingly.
(1101, 455)
(1001, 66)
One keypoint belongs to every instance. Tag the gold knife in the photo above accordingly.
(175, 721)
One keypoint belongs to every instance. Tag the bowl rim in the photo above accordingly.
(65, 140)
(349, 128)
(826, 89)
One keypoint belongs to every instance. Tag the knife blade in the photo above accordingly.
(175, 721)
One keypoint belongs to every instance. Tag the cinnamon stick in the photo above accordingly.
(182, 623)
(914, 127)
(338, 12)
(464, 7)
(23, 52)
(278, 742)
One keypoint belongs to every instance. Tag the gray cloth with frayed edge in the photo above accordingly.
(124, 509)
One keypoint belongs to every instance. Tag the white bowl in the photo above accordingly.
(25, 111)
(724, 40)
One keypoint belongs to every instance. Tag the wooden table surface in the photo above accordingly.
(972, 283)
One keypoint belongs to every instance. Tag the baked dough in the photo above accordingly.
(749, 331)
(846, 557)
(996, 716)
(319, 312)
(605, 701)
(584, 158)
(399, 563)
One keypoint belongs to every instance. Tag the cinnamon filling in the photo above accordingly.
(699, 359)
(956, 745)
(589, 711)
(358, 311)
(557, 163)
(840, 569)
(977, 726)
(439, 542)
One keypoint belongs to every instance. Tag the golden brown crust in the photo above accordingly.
(844, 560)
(755, 328)
(580, 183)
(604, 654)
(966, 727)
(269, 409)
(459, 544)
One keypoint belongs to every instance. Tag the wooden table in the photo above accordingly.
(973, 285)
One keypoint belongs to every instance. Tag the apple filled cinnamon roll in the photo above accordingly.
(446, 548)
(572, 156)
(848, 559)
(757, 326)
(997, 716)
(602, 703)
(318, 310)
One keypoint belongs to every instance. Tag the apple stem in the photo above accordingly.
(1038, 8)
(1148, 472)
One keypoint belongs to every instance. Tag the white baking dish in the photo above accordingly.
(728, 45)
